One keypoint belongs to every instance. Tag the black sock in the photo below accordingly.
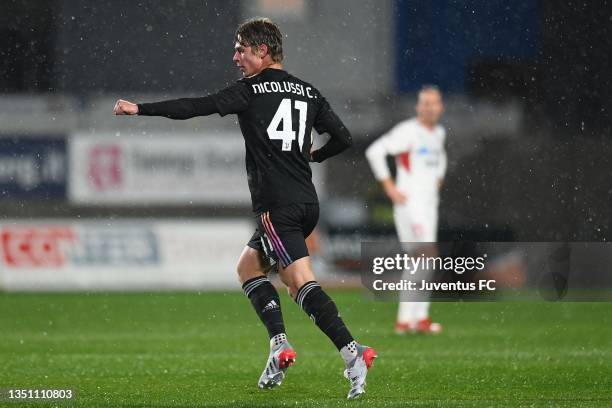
(323, 311)
(266, 302)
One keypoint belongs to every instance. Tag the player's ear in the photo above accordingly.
(262, 50)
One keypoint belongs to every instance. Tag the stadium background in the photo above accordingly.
(528, 120)
(93, 202)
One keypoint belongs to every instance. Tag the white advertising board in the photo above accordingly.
(157, 169)
(121, 254)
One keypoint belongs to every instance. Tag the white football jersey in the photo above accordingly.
(419, 155)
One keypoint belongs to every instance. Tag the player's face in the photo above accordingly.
(248, 61)
(429, 107)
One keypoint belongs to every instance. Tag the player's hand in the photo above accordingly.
(396, 196)
(125, 108)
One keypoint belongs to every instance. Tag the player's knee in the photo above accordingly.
(288, 282)
(296, 275)
(285, 279)
(245, 271)
(292, 289)
(240, 273)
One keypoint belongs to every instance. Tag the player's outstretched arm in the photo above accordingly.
(233, 99)
(183, 108)
(340, 138)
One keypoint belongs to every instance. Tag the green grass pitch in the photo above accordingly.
(208, 349)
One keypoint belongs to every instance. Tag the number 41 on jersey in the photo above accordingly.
(283, 117)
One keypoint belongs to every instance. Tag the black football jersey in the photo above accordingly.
(277, 113)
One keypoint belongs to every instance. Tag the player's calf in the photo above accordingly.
(323, 312)
(266, 302)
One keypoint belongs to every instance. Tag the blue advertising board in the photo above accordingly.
(436, 40)
(33, 167)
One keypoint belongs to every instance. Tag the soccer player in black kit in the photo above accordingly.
(277, 113)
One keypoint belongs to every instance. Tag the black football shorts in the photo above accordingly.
(281, 232)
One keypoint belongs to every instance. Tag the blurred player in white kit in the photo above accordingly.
(417, 145)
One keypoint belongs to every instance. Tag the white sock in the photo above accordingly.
(422, 310)
(349, 352)
(406, 313)
(414, 307)
(278, 340)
